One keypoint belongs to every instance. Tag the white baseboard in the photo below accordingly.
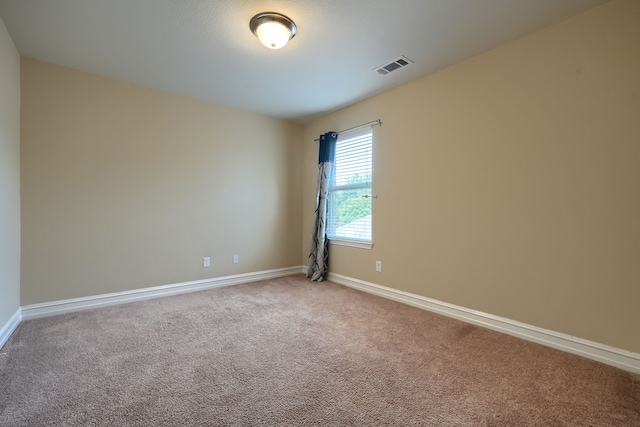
(10, 326)
(602, 353)
(76, 304)
(623, 359)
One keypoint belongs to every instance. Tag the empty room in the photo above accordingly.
(331, 213)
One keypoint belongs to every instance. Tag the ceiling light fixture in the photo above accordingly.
(273, 30)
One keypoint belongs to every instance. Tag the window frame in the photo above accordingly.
(367, 186)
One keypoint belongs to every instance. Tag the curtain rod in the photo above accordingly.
(373, 123)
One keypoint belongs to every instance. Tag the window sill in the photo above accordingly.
(351, 243)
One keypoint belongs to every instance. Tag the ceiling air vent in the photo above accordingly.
(392, 66)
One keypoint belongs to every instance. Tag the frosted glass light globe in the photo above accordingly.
(273, 34)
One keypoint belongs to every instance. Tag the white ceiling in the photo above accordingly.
(204, 48)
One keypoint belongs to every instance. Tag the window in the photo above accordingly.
(349, 207)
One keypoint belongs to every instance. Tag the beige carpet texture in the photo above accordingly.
(290, 352)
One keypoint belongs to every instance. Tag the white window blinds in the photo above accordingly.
(349, 215)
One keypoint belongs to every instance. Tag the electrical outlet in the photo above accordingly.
(206, 262)
(236, 259)
(379, 266)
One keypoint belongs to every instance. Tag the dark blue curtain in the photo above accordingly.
(319, 247)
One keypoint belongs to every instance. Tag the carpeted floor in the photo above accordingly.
(295, 353)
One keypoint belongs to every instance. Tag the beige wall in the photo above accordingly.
(126, 187)
(9, 177)
(510, 183)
